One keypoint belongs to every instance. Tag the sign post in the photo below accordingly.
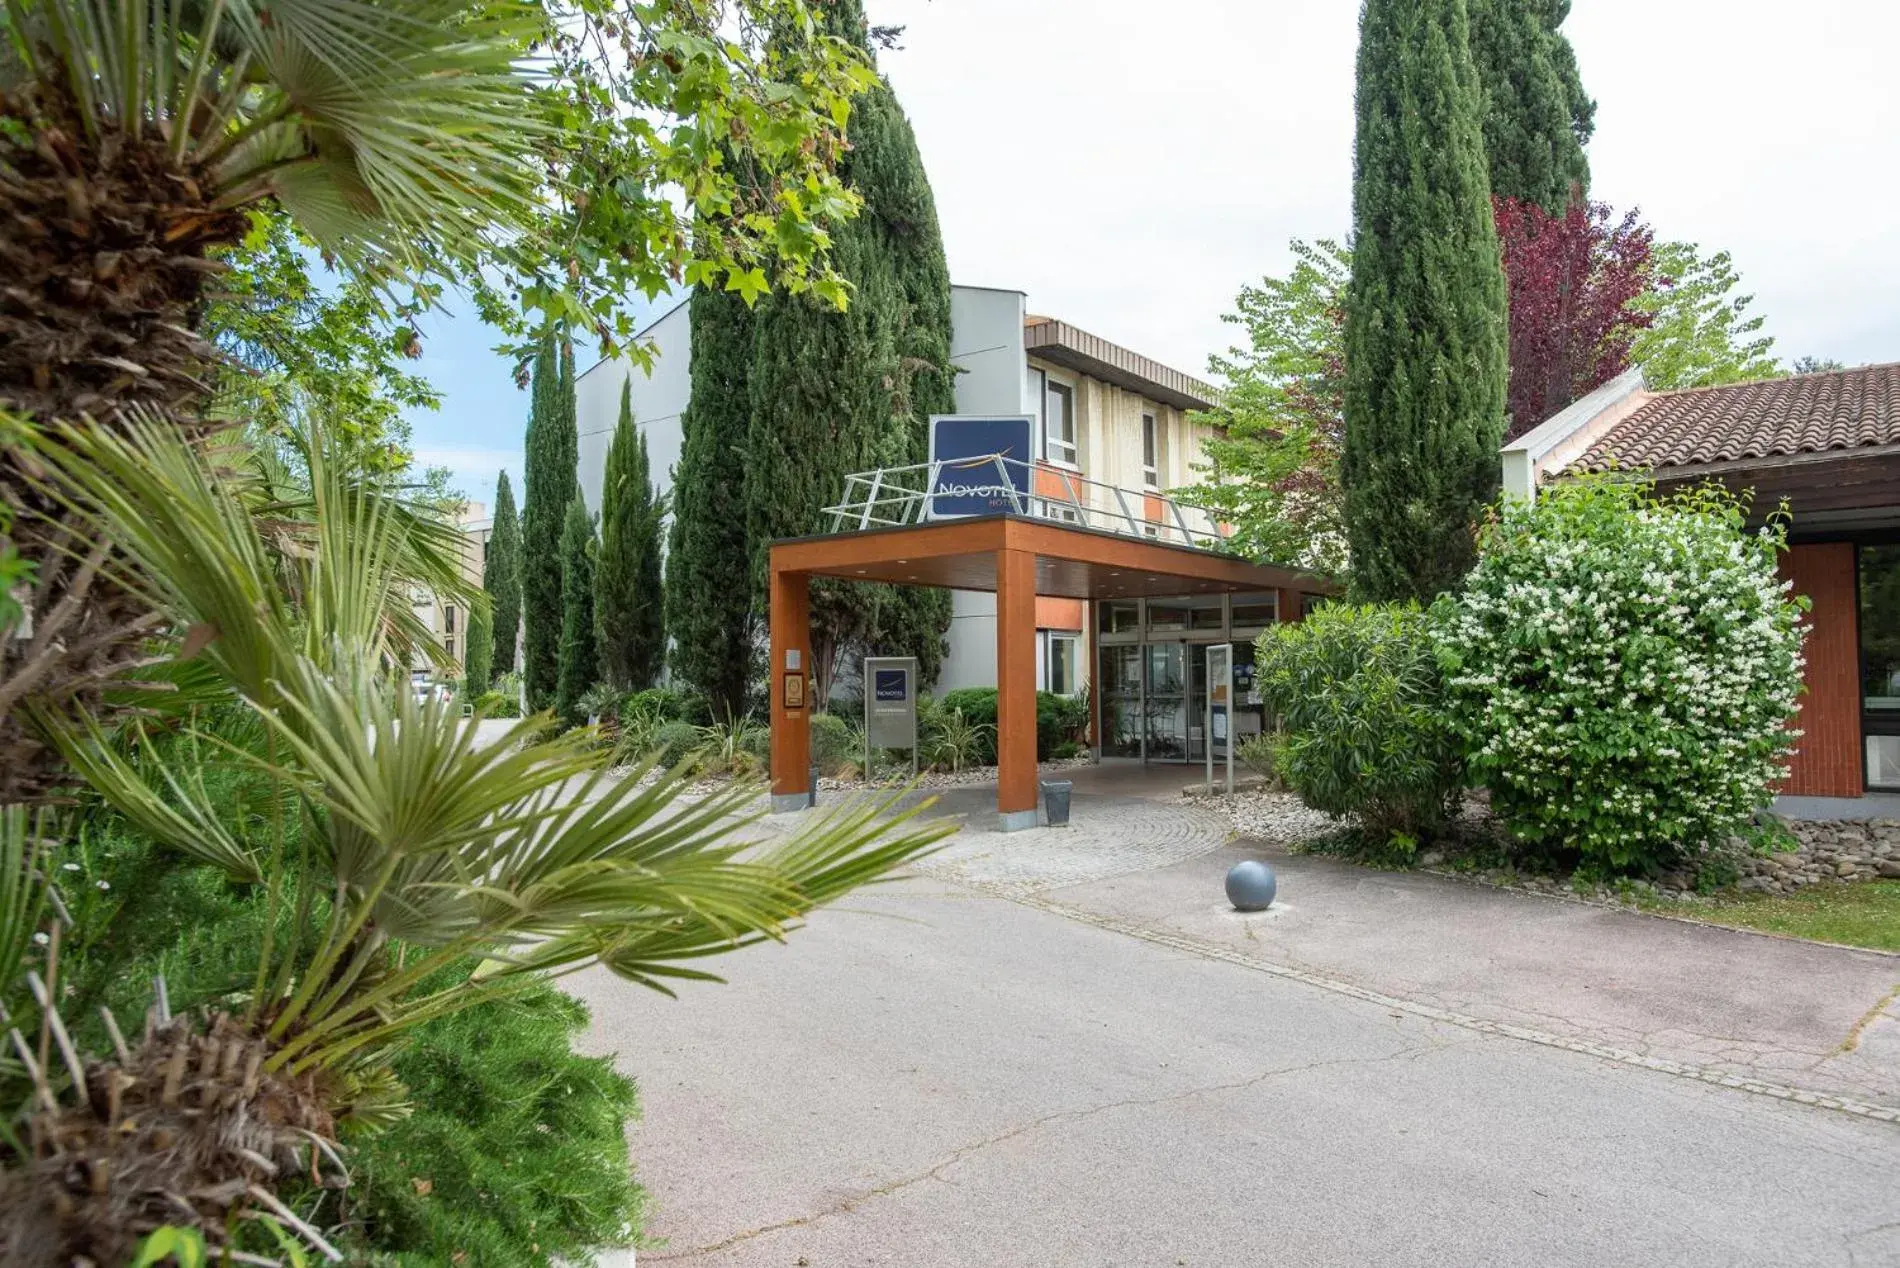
(890, 707)
(1220, 709)
(965, 477)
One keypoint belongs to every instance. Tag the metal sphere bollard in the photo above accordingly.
(1251, 885)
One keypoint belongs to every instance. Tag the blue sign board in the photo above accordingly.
(968, 482)
(892, 684)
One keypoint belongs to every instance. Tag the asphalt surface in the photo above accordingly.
(941, 1075)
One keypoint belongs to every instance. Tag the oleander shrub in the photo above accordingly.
(1358, 694)
(1622, 669)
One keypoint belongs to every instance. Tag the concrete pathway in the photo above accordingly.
(1058, 1049)
(1671, 992)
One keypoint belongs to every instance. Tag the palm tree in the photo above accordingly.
(135, 135)
(397, 848)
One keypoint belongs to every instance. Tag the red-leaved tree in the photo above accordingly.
(1571, 279)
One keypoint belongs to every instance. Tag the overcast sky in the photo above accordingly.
(1131, 165)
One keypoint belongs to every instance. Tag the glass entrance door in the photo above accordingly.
(1165, 709)
(1197, 703)
(1121, 700)
(1880, 663)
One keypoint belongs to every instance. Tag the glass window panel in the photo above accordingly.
(1120, 617)
(1059, 422)
(1167, 616)
(1209, 618)
(1253, 612)
(1061, 671)
(1150, 451)
(1880, 662)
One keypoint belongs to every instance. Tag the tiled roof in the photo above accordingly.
(1773, 418)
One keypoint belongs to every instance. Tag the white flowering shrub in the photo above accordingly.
(1622, 670)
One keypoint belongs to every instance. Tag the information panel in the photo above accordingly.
(890, 705)
(968, 483)
(1220, 709)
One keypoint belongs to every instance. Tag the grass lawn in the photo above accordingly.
(1864, 914)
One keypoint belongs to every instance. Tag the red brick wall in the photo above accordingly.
(1829, 762)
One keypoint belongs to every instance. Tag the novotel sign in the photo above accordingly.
(965, 479)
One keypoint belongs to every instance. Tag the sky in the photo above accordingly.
(1130, 165)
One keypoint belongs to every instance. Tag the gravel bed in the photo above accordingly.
(1259, 814)
(968, 777)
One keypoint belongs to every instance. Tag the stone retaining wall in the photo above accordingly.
(1830, 851)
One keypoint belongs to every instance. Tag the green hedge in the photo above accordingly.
(1059, 719)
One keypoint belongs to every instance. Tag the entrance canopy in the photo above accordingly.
(1017, 557)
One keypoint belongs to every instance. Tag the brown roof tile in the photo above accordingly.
(1771, 418)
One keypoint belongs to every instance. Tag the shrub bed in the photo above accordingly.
(1059, 719)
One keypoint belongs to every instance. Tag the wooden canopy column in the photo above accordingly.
(1015, 690)
(787, 680)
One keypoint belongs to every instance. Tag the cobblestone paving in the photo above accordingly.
(1107, 836)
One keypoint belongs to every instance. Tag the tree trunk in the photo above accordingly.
(102, 272)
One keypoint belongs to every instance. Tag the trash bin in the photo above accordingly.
(1055, 801)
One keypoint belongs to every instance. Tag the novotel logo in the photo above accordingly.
(976, 490)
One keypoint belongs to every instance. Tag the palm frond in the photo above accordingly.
(24, 886)
(526, 852)
(387, 130)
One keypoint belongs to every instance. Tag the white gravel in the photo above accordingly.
(1280, 818)
(968, 777)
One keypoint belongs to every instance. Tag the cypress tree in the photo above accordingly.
(1425, 312)
(478, 661)
(708, 561)
(813, 420)
(890, 172)
(501, 576)
(578, 661)
(629, 607)
(1537, 117)
(552, 456)
(837, 392)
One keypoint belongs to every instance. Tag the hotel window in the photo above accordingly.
(1120, 616)
(1880, 663)
(1255, 610)
(1058, 420)
(1063, 654)
(448, 615)
(1150, 452)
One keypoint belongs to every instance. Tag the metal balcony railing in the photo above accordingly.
(896, 497)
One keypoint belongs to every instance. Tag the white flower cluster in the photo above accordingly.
(1623, 672)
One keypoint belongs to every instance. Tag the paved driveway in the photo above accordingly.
(1029, 1059)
